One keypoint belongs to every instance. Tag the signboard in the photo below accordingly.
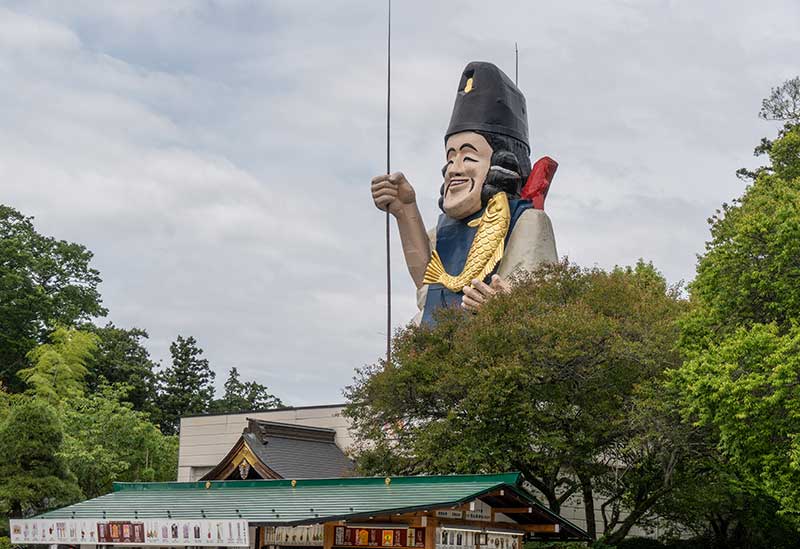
(458, 538)
(209, 532)
(478, 510)
(120, 532)
(379, 537)
(294, 535)
(450, 513)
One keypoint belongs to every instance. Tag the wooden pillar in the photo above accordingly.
(328, 534)
(430, 533)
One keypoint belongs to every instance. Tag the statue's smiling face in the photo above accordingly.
(468, 159)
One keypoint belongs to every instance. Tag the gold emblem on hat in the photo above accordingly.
(468, 85)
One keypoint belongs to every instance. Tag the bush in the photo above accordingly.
(640, 543)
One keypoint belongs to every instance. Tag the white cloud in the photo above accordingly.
(216, 156)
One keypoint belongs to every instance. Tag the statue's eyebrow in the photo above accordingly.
(470, 145)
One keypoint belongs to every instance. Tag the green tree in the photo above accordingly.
(747, 388)
(108, 441)
(186, 386)
(244, 396)
(33, 475)
(59, 367)
(542, 380)
(783, 104)
(44, 282)
(120, 357)
(740, 379)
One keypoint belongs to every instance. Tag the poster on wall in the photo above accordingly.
(459, 538)
(294, 535)
(220, 533)
(379, 537)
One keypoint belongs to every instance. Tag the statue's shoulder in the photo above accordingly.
(530, 244)
(533, 217)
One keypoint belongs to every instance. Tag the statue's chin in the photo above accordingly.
(459, 209)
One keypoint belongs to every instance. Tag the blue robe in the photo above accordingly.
(453, 241)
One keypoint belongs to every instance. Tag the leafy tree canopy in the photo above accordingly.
(743, 336)
(60, 366)
(108, 441)
(120, 357)
(34, 476)
(750, 272)
(44, 282)
(542, 380)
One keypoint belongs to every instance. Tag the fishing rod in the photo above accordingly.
(388, 171)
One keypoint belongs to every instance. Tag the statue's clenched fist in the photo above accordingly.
(392, 192)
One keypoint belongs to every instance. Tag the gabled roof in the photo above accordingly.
(291, 502)
(282, 450)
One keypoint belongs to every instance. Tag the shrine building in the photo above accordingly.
(281, 478)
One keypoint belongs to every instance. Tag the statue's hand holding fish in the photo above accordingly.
(485, 252)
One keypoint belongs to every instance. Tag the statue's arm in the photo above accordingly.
(416, 246)
(394, 193)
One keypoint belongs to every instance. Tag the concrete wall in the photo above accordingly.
(205, 440)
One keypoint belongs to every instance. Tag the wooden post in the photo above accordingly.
(430, 533)
(328, 534)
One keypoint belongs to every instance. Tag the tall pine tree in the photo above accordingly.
(186, 386)
(244, 396)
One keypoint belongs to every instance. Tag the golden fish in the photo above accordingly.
(486, 250)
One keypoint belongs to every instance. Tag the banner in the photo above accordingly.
(401, 536)
(225, 533)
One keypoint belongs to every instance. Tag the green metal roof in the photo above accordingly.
(278, 502)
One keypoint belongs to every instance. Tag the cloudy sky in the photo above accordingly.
(216, 156)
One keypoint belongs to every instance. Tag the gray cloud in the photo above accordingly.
(216, 156)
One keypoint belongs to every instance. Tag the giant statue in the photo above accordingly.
(493, 223)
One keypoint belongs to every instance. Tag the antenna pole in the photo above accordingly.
(516, 65)
(388, 171)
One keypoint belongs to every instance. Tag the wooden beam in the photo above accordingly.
(517, 510)
(540, 528)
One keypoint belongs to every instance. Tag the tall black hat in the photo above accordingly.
(489, 101)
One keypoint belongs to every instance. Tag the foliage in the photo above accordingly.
(554, 545)
(724, 510)
(244, 396)
(107, 441)
(741, 377)
(540, 381)
(33, 475)
(59, 367)
(120, 357)
(186, 386)
(783, 102)
(749, 273)
(746, 386)
(44, 282)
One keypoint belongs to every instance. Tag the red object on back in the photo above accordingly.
(535, 189)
